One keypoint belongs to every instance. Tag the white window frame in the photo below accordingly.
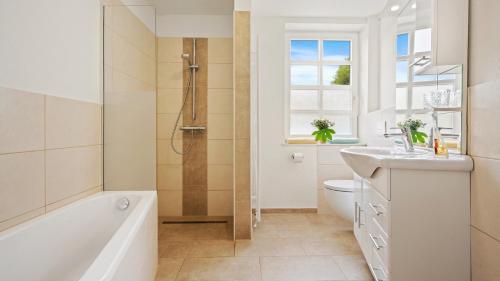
(321, 36)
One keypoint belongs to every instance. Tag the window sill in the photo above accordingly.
(312, 142)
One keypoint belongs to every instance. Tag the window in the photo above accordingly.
(321, 82)
(412, 46)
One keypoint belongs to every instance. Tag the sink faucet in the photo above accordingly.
(405, 136)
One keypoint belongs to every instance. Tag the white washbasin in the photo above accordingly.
(366, 160)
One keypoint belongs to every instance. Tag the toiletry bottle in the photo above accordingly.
(440, 148)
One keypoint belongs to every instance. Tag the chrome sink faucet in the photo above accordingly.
(405, 136)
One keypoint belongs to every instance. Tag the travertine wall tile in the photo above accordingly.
(21, 119)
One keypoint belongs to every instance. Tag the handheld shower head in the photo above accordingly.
(185, 56)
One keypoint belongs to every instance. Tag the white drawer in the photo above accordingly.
(378, 208)
(381, 180)
(377, 268)
(380, 243)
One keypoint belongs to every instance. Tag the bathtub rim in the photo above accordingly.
(106, 263)
(104, 266)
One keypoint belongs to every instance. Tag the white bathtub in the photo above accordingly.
(89, 240)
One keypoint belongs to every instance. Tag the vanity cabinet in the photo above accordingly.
(449, 30)
(413, 225)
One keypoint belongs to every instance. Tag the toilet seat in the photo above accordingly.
(339, 185)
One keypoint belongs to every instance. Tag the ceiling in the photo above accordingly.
(193, 7)
(318, 8)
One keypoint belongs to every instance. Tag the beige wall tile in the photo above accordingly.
(170, 49)
(71, 123)
(220, 177)
(220, 152)
(121, 83)
(220, 203)
(132, 61)
(22, 183)
(165, 124)
(220, 101)
(485, 257)
(241, 60)
(484, 58)
(170, 75)
(220, 126)
(483, 117)
(242, 171)
(71, 171)
(69, 200)
(169, 101)
(169, 177)
(485, 196)
(170, 203)
(220, 76)
(22, 121)
(165, 154)
(124, 22)
(220, 50)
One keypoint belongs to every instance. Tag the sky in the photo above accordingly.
(308, 50)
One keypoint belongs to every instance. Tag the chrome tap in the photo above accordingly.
(405, 136)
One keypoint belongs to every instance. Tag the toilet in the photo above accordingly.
(339, 196)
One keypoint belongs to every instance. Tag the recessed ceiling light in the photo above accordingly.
(394, 8)
(414, 6)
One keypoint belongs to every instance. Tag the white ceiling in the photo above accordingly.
(193, 7)
(317, 8)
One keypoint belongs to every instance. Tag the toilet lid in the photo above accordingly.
(339, 185)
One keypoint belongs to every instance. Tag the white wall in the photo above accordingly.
(195, 26)
(282, 183)
(51, 47)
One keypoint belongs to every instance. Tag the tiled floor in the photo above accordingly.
(285, 247)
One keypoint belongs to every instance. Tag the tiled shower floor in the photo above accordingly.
(285, 247)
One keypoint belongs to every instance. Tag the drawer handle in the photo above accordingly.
(374, 242)
(375, 270)
(359, 217)
(375, 209)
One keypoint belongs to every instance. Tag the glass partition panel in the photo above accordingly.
(129, 108)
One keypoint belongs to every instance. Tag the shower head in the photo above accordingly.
(185, 56)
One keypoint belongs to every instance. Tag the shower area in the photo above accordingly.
(169, 110)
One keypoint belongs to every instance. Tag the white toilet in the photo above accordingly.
(340, 197)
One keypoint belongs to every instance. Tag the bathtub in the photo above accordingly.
(93, 239)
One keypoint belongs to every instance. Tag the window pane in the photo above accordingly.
(401, 98)
(423, 39)
(337, 100)
(304, 75)
(336, 75)
(402, 45)
(300, 123)
(304, 100)
(402, 71)
(336, 50)
(342, 124)
(304, 50)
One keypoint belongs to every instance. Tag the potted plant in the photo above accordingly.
(414, 125)
(324, 130)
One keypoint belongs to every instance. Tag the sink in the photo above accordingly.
(366, 160)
